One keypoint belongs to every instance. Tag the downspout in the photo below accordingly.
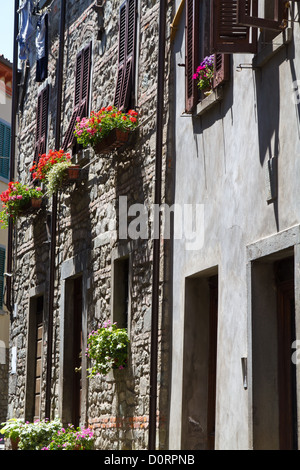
(12, 154)
(156, 241)
(54, 211)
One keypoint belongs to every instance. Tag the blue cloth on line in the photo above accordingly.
(26, 28)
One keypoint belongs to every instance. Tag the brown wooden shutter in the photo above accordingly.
(126, 59)
(249, 18)
(221, 69)
(41, 123)
(81, 93)
(227, 35)
(191, 53)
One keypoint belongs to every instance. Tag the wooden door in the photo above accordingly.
(286, 369)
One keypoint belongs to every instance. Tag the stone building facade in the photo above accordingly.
(86, 265)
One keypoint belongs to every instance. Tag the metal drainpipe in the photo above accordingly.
(156, 241)
(12, 153)
(54, 212)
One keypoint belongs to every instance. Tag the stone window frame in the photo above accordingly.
(118, 254)
(34, 293)
(70, 269)
(277, 246)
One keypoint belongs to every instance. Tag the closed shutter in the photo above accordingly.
(221, 69)
(81, 93)
(227, 35)
(2, 268)
(191, 53)
(126, 58)
(248, 16)
(5, 133)
(41, 123)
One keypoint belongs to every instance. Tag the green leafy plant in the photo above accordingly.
(47, 435)
(11, 429)
(15, 199)
(107, 348)
(91, 130)
(205, 73)
(55, 176)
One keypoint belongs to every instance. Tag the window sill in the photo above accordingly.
(209, 101)
(272, 48)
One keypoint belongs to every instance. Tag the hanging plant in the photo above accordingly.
(106, 129)
(16, 199)
(52, 168)
(107, 348)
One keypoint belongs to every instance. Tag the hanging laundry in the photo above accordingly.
(26, 28)
(41, 43)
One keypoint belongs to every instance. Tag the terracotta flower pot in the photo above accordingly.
(36, 203)
(14, 443)
(73, 172)
(114, 140)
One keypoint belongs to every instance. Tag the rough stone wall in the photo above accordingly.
(117, 406)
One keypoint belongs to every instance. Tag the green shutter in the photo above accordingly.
(4, 150)
(2, 268)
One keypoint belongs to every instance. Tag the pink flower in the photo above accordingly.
(19, 196)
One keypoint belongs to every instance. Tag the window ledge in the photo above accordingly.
(209, 101)
(272, 48)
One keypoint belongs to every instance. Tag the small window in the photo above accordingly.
(5, 135)
(81, 93)
(124, 93)
(198, 47)
(235, 24)
(41, 123)
(121, 292)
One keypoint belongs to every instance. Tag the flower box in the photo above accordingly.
(116, 139)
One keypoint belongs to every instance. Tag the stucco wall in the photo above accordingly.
(220, 165)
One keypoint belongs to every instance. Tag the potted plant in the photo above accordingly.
(106, 130)
(204, 75)
(70, 438)
(107, 348)
(17, 199)
(46, 435)
(54, 168)
(11, 429)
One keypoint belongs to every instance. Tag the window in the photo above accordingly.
(72, 348)
(34, 369)
(121, 292)
(197, 44)
(200, 359)
(41, 123)
(235, 23)
(81, 93)
(124, 93)
(5, 134)
(2, 268)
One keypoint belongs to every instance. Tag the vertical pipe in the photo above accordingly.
(54, 212)
(12, 150)
(156, 241)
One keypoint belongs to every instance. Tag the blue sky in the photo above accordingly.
(7, 28)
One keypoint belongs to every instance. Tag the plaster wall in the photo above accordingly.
(220, 165)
